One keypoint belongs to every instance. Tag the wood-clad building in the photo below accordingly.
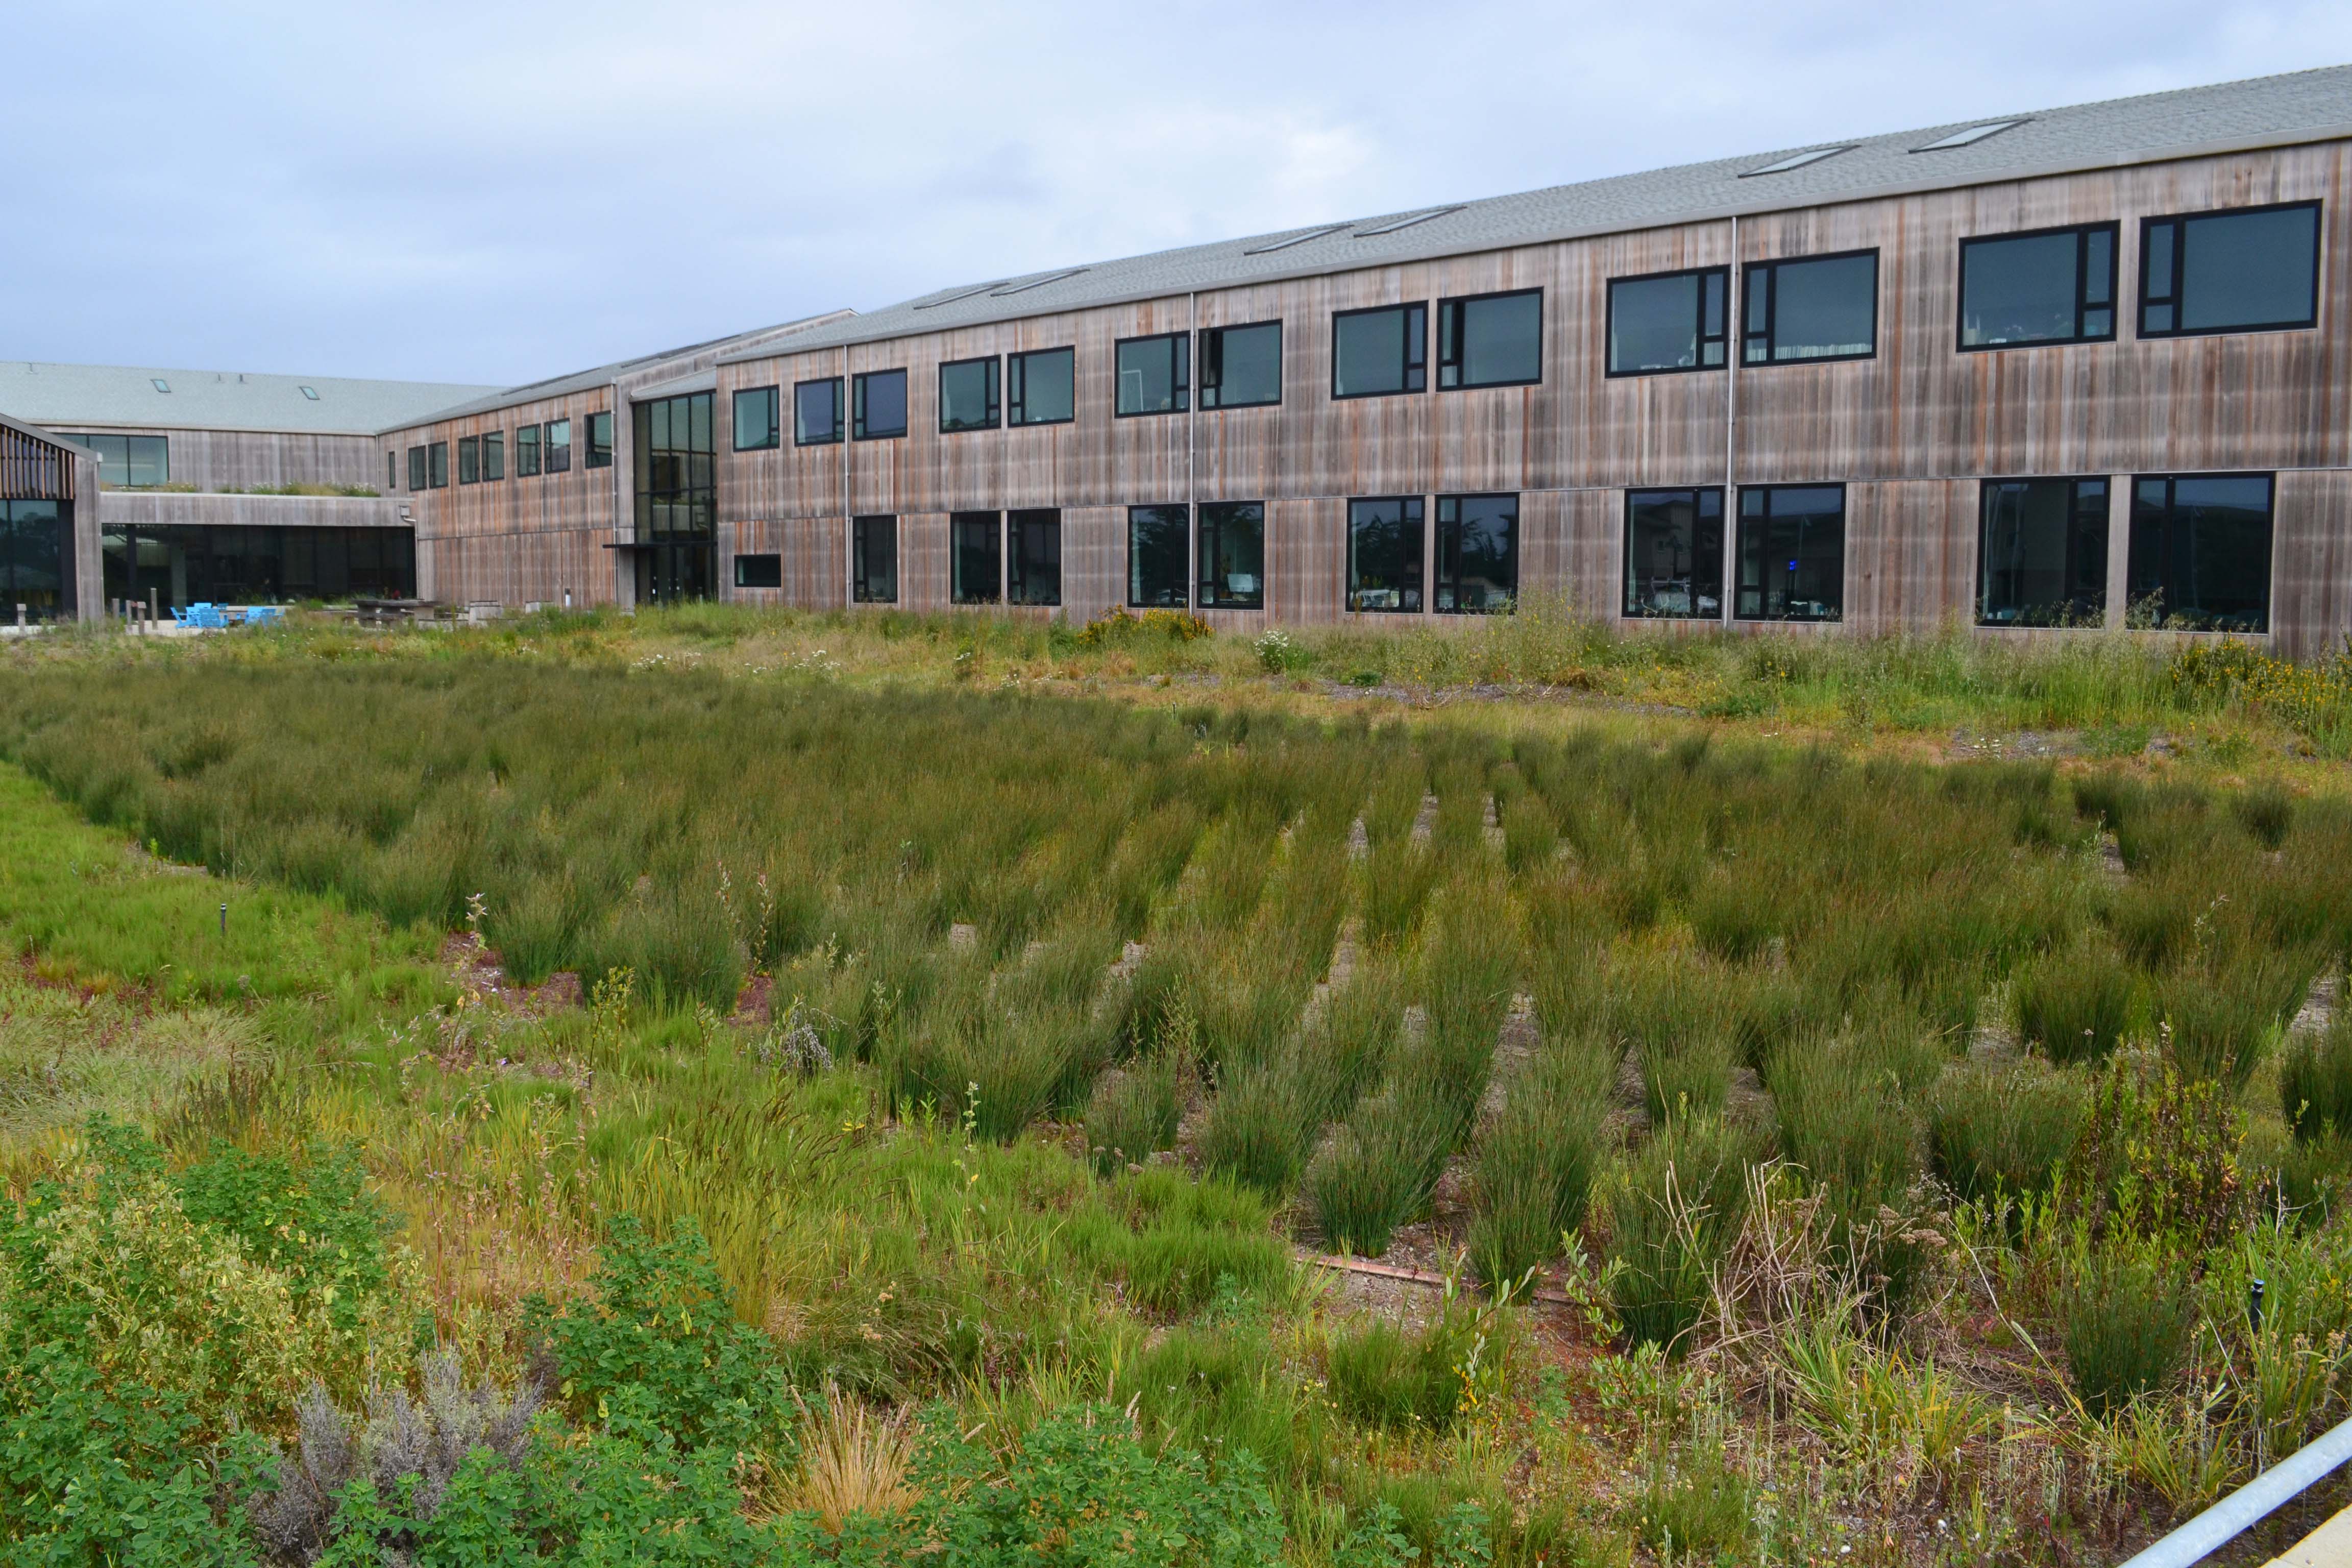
(43, 481)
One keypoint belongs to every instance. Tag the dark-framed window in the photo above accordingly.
(1810, 308)
(416, 468)
(1478, 555)
(874, 556)
(556, 450)
(1490, 340)
(1792, 553)
(1033, 568)
(129, 462)
(600, 440)
(494, 454)
(1673, 554)
(1232, 555)
(759, 571)
(35, 543)
(527, 451)
(675, 477)
(1387, 536)
(1155, 374)
(976, 557)
(392, 471)
(1379, 352)
(1041, 388)
(2041, 553)
(194, 562)
(2243, 269)
(2044, 286)
(1241, 367)
(2200, 552)
(469, 459)
(1159, 557)
(877, 404)
(1667, 321)
(968, 395)
(816, 411)
(436, 465)
(759, 419)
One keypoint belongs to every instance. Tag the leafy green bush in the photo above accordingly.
(2124, 1320)
(1681, 1203)
(2003, 1129)
(1537, 1159)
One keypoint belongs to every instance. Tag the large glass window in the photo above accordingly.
(763, 571)
(873, 554)
(2057, 286)
(878, 404)
(2251, 271)
(1241, 367)
(558, 447)
(976, 557)
(494, 454)
(1814, 308)
(1793, 553)
(1159, 556)
(416, 468)
(816, 412)
(677, 478)
(1386, 537)
(1477, 553)
(392, 471)
(130, 462)
(1041, 387)
(2042, 557)
(758, 420)
(968, 395)
(1034, 574)
(1673, 554)
(183, 565)
(436, 465)
(1232, 555)
(2201, 553)
(469, 459)
(527, 451)
(1155, 374)
(600, 440)
(1491, 340)
(32, 558)
(1375, 353)
(1673, 321)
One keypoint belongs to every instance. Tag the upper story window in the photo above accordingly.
(1155, 374)
(2053, 286)
(2199, 558)
(494, 454)
(558, 451)
(1672, 321)
(816, 411)
(436, 465)
(2254, 269)
(1378, 352)
(877, 404)
(469, 459)
(527, 452)
(1490, 340)
(968, 395)
(600, 440)
(757, 422)
(131, 462)
(1241, 367)
(416, 468)
(392, 471)
(1811, 308)
(1040, 387)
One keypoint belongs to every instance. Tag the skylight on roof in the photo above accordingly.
(1294, 239)
(1796, 161)
(160, 383)
(1407, 221)
(959, 294)
(1968, 136)
(1038, 282)
(312, 393)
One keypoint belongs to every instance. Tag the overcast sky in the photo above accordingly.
(498, 191)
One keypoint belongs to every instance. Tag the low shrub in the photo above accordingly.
(1682, 1202)
(2003, 1129)
(2316, 1078)
(2124, 1320)
(2078, 1004)
(1537, 1159)
(1134, 1110)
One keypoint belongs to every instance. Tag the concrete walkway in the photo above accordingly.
(2329, 1546)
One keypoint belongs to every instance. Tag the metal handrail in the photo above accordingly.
(2250, 1504)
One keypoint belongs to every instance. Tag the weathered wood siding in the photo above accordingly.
(251, 460)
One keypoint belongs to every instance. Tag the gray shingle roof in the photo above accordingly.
(2307, 106)
(69, 396)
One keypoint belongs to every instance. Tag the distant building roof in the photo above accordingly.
(69, 396)
(2307, 106)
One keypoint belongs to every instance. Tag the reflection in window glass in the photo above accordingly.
(1040, 387)
(183, 565)
(1159, 556)
(879, 404)
(2229, 271)
(975, 556)
(1673, 323)
(1673, 554)
(874, 559)
(1034, 574)
(131, 462)
(816, 411)
(1155, 374)
(1494, 340)
(1818, 308)
(967, 395)
(2043, 553)
(1377, 352)
(2055, 288)
(527, 451)
(600, 440)
(416, 468)
(1477, 553)
(1241, 367)
(1793, 553)
(494, 454)
(469, 460)
(757, 422)
(2201, 553)
(1232, 555)
(759, 571)
(557, 453)
(436, 465)
(32, 559)
(1385, 543)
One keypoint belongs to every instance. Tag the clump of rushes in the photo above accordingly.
(1681, 1021)
(1845, 1121)
(1380, 1376)
(1696, 1511)
(2125, 1317)
(2315, 1079)
(1376, 1171)
(1258, 1128)
(2221, 1018)
(2003, 1129)
(1134, 1110)
(1535, 1159)
(2075, 1005)
(1682, 1202)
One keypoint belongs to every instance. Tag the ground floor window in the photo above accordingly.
(1673, 554)
(2201, 553)
(33, 558)
(1477, 553)
(1033, 572)
(976, 557)
(874, 560)
(2042, 556)
(1793, 553)
(1387, 536)
(759, 571)
(194, 565)
(1159, 556)
(1232, 555)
